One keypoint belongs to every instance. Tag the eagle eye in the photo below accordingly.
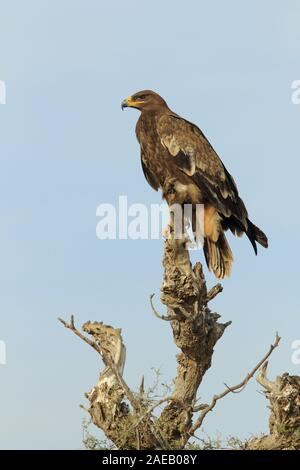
(140, 97)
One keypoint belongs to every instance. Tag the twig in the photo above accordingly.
(160, 438)
(71, 326)
(262, 378)
(236, 391)
(158, 315)
(214, 291)
(200, 407)
(152, 408)
(83, 408)
(156, 432)
(153, 430)
(142, 388)
(138, 440)
(241, 385)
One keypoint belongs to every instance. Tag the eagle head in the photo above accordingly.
(145, 100)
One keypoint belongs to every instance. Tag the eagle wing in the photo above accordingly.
(194, 155)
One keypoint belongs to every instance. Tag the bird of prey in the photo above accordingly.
(177, 158)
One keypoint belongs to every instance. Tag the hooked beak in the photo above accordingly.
(129, 102)
(124, 104)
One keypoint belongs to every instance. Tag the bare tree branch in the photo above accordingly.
(158, 315)
(234, 388)
(71, 326)
(262, 378)
(214, 291)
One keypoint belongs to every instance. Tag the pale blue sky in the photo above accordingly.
(66, 147)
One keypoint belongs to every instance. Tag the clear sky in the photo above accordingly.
(66, 147)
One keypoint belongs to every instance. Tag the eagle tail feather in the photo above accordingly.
(218, 256)
(256, 235)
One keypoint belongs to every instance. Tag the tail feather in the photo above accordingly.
(238, 229)
(256, 235)
(218, 256)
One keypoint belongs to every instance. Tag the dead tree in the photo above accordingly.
(128, 418)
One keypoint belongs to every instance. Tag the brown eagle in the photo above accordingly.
(178, 159)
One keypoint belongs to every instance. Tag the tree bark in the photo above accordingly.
(195, 332)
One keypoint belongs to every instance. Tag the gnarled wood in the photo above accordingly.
(284, 422)
(195, 332)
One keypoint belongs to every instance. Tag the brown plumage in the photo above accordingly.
(178, 159)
